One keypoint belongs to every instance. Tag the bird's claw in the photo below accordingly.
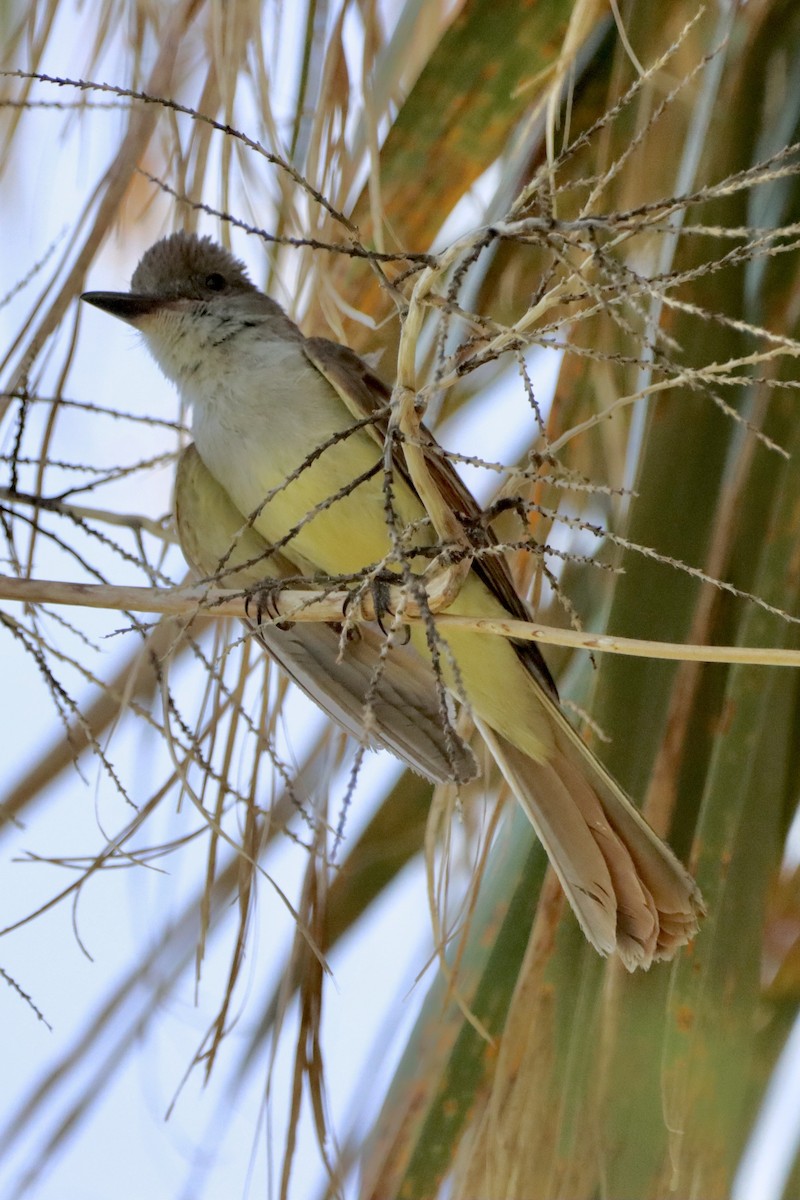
(380, 586)
(264, 600)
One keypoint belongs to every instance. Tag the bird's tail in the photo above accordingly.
(629, 892)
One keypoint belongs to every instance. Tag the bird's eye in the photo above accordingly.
(215, 282)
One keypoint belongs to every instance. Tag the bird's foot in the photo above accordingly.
(380, 586)
(262, 602)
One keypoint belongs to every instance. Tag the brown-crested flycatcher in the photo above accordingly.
(284, 446)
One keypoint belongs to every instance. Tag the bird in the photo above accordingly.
(289, 440)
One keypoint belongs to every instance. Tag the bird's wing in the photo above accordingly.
(365, 395)
(394, 701)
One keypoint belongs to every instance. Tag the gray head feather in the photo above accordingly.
(185, 266)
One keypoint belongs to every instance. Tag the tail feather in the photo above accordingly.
(678, 900)
(637, 916)
(629, 892)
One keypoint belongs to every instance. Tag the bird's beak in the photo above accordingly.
(128, 306)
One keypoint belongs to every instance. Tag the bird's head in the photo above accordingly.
(189, 296)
